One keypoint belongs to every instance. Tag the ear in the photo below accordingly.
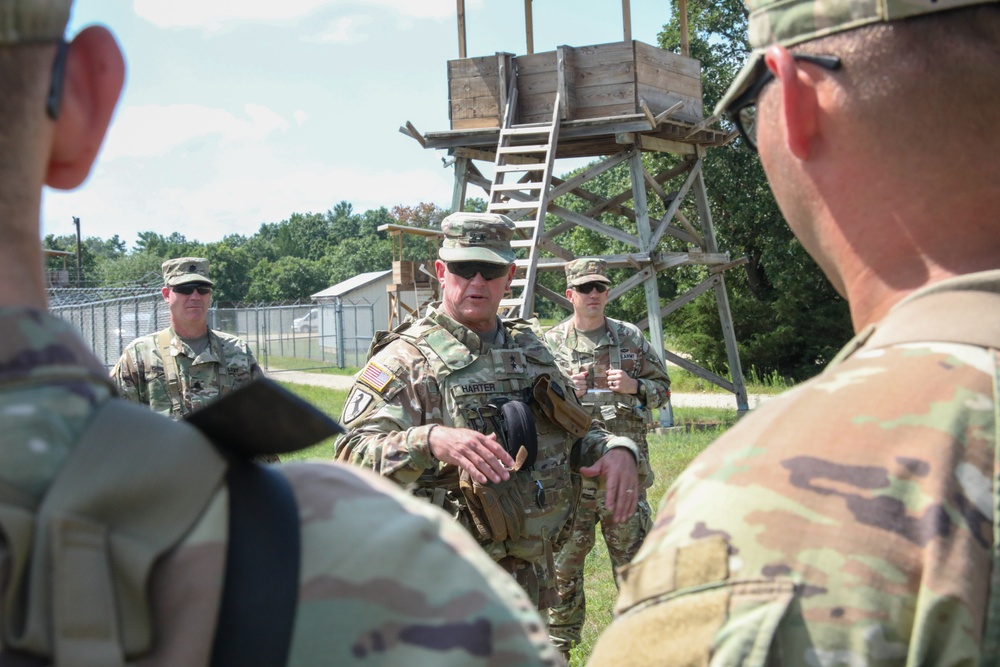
(439, 268)
(798, 101)
(165, 291)
(95, 73)
(511, 270)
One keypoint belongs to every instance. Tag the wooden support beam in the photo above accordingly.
(668, 113)
(412, 132)
(647, 113)
(461, 28)
(715, 379)
(685, 43)
(626, 21)
(654, 143)
(529, 32)
(554, 297)
(676, 204)
(711, 120)
(682, 300)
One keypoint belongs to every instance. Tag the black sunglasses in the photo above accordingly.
(468, 270)
(743, 110)
(587, 288)
(188, 290)
(54, 98)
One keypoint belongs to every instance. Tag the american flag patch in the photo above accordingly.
(376, 377)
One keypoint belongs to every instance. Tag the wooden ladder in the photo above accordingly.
(528, 195)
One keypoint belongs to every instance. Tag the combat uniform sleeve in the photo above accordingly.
(387, 415)
(130, 378)
(654, 383)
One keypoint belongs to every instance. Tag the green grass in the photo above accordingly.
(669, 454)
(685, 382)
(311, 365)
(331, 402)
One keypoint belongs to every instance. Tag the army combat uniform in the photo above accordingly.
(385, 579)
(162, 371)
(436, 371)
(850, 521)
(624, 347)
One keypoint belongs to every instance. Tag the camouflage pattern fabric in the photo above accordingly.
(623, 346)
(140, 375)
(850, 521)
(436, 371)
(385, 579)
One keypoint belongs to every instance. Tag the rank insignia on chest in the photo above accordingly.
(510, 362)
(376, 377)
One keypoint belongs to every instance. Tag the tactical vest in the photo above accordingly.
(621, 413)
(172, 373)
(467, 385)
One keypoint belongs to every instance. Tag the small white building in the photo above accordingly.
(362, 302)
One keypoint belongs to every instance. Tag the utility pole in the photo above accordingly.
(79, 254)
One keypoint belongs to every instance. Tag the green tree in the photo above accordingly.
(786, 315)
(287, 279)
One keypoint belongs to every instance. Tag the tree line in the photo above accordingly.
(788, 320)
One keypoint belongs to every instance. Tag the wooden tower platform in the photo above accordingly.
(609, 102)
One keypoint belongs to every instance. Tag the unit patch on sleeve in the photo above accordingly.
(356, 404)
(376, 377)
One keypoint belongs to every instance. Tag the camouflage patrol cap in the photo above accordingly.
(586, 270)
(791, 22)
(477, 237)
(185, 270)
(25, 21)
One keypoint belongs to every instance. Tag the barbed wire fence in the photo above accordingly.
(298, 336)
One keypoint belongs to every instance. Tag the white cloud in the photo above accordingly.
(344, 30)
(155, 130)
(218, 14)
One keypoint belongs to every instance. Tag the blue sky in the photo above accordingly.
(237, 113)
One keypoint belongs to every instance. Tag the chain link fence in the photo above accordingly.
(283, 337)
(302, 336)
(110, 325)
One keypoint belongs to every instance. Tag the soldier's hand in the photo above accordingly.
(621, 382)
(579, 383)
(621, 482)
(480, 455)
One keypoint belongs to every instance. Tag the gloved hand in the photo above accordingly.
(496, 508)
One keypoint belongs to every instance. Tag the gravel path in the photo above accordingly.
(344, 382)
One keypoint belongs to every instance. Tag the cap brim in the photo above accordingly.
(475, 255)
(742, 82)
(189, 278)
(583, 280)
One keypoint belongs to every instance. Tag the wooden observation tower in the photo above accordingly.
(609, 102)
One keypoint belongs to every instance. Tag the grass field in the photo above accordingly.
(669, 454)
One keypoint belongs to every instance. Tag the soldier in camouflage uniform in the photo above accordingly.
(618, 376)
(384, 579)
(187, 365)
(853, 521)
(419, 412)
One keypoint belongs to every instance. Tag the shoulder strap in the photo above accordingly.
(170, 371)
(260, 592)
(215, 340)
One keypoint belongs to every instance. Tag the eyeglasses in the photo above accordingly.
(54, 98)
(743, 110)
(188, 290)
(468, 270)
(587, 288)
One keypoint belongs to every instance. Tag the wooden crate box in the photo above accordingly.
(599, 81)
